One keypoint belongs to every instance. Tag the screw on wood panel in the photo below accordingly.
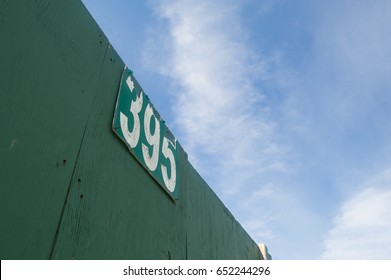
(64, 161)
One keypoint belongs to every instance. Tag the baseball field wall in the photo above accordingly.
(70, 186)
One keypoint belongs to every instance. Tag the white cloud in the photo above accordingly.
(234, 138)
(220, 112)
(362, 229)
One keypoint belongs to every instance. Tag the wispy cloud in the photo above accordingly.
(278, 165)
(346, 98)
(362, 229)
(224, 118)
(219, 109)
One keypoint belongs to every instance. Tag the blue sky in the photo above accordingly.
(283, 107)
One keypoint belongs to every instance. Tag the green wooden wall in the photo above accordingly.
(69, 188)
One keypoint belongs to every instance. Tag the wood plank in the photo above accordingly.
(50, 57)
(116, 210)
(212, 231)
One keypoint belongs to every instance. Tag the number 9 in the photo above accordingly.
(152, 139)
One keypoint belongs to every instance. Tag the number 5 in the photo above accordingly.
(167, 153)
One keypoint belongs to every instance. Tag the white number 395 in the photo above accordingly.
(151, 149)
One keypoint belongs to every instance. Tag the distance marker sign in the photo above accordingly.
(145, 134)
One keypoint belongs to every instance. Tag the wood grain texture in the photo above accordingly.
(116, 210)
(212, 231)
(50, 58)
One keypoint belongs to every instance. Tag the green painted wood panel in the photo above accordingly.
(69, 187)
(50, 57)
(115, 209)
(213, 233)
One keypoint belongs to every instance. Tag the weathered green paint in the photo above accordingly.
(69, 188)
(213, 233)
(50, 58)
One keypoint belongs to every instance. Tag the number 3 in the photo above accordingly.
(135, 108)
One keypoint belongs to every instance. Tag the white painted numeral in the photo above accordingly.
(153, 139)
(135, 108)
(170, 182)
(151, 149)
